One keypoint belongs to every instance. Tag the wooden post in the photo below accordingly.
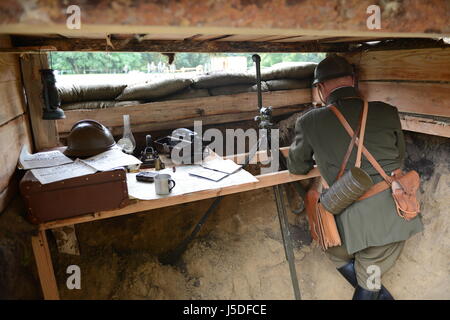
(45, 133)
(45, 266)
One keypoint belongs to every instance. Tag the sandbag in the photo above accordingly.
(234, 89)
(289, 70)
(89, 92)
(188, 93)
(288, 84)
(151, 91)
(98, 104)
(219, 79)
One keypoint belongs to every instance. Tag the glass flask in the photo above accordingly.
(127, 142)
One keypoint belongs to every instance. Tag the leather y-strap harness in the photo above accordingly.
(381, 186)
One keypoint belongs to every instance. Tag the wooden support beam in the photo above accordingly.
(22, 50)
(206, 120)
(45, 134)
(228, 17)
(169, 114)
(411, 97)
(133, 45)
(425, 125)
(44, 266)
(399, 44)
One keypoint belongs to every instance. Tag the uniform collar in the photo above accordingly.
(342, 93)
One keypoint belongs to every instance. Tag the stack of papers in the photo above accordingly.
(215, 169)
(66, 171)
(54, 166)
(225, 166)
(111, 159)
(186, 182)
(207, 173)
(41, 159)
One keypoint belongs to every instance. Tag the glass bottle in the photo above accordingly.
(127, 143)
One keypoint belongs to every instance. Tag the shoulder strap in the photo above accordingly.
(361, 135)
(349, 149)
(361, 148)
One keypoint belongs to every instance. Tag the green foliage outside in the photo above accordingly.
(123, 62)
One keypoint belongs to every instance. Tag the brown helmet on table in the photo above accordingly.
(88, 138)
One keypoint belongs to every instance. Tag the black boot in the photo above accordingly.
(363, 294)
(348, 272)
(385, 294)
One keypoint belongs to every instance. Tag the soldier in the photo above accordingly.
(371, 231)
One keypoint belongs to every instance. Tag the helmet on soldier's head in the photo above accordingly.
(332, 67)
(88, 138)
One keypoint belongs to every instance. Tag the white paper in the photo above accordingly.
(184, 183)
(111, 159)
(41, 159)
(227, 166)
(208, 174)
(65, 171)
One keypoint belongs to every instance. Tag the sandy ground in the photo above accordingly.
(242, 257)
(239, 253)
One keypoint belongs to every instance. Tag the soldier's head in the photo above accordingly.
(331, 73)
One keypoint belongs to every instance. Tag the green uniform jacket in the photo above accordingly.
(320, 136)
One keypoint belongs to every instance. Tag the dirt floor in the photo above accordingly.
(239, 253)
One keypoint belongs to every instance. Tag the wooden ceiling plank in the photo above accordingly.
(133, 45)
(309, 15)
(299, 39)
(221, 37)
(243, 37)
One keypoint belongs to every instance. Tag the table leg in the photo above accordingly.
(287, 242)
(44, 266)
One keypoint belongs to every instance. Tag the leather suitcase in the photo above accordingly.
(100, 191)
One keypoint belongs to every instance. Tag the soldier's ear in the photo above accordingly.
(320, 90)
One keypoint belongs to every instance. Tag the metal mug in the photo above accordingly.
(163, 184)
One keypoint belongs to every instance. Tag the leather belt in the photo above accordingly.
(377, 188)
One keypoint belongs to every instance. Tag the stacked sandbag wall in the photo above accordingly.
(286, 77)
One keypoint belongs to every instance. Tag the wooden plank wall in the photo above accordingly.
(171, 114)
(14, 123)
(415, 81)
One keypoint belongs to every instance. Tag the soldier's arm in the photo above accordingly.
(300, 159)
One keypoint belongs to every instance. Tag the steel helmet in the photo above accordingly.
(332, 67)
(88, 138)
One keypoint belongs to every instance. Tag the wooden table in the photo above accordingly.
(40, 243)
